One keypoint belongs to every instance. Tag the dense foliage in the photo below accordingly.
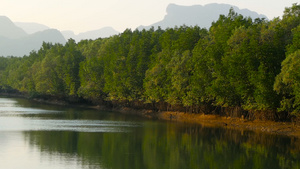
(238, 62)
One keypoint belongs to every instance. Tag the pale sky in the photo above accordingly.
(85, 15)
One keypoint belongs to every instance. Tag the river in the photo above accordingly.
(40, 136)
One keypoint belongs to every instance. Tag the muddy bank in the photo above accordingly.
(281, 128)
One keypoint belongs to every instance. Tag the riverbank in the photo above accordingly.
(280, 128)
(272, 127)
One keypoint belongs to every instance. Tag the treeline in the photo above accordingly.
(240, 63)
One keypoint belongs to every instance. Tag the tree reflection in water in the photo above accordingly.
(170, 145)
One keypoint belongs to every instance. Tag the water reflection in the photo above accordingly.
(79, 138)
(171, 146)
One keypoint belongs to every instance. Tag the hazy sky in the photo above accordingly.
(85, 15)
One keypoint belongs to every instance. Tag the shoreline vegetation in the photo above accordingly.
(242, 124)
(239, 73)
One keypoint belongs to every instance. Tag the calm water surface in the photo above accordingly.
(37, 136)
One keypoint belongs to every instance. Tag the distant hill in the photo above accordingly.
(199, 15)
(31, 27)
(23, 46)
(14, 41)
(9, 30)
(95, 34)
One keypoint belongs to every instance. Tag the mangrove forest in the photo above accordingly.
(239, 66)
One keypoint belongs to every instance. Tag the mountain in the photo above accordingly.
(23, 46)
(31, 27)
(199, 15)
(9, 29)
(95, 34)
(14, 41)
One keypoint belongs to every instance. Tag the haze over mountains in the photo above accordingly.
(105, 32)
(31, 28)
(14, 41)
(19, 38)
(9, 30)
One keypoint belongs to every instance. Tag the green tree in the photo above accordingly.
(288, 83)
(221, 92)
(201, 76)
(91, 72)
(47, 80)
(179, 72)
(68, 63)
(157, 80)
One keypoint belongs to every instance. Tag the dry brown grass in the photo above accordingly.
(282, 128)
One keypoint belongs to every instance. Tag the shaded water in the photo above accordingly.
(38, 136)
